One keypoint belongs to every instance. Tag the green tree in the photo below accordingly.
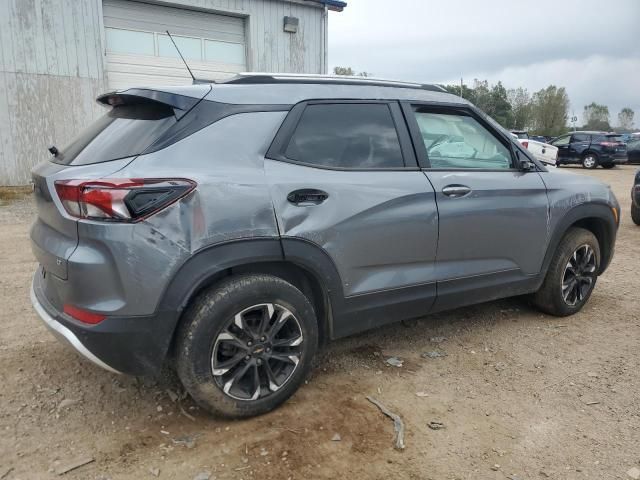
(500, 108)
(550, 111)
(521, 107)
(348, 71)
(596, 117)
(463, 91)
(625, 118)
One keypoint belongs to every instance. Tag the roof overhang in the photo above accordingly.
(334, 5)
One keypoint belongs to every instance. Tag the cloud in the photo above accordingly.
(589, 47)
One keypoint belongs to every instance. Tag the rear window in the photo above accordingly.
(522, 135)
(124, 131)
(615, 138)
(346, 135)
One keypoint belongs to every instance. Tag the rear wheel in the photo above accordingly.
(590, 161)
(246, 345)
(635, 214)
(571, 276)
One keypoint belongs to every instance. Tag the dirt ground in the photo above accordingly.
(521, 395)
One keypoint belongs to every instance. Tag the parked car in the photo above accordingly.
(543, 151)
(635, 199)
(591, 149)
(633, 151)
(228, 229)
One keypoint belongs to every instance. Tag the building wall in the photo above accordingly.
(52, 65)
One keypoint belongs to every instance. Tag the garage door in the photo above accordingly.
(139, 52)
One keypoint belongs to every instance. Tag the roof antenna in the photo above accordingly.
(183, 60)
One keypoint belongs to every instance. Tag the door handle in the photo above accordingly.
(307, 197)
(456, 191)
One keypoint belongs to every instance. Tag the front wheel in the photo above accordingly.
(590, 161)
(246, 345)
(571, 276)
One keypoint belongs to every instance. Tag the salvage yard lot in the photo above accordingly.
(521, 395)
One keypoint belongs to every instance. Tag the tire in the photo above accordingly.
(608, 165)
(550, 298)
(635, 214)
(210, 340)
(590, 161)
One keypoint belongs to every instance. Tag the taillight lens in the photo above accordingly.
(525, 144)
(84, 316)
(120, 200)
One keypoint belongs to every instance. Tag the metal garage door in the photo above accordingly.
(140, 53)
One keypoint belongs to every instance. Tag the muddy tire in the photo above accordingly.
(635, 214)
(571, 276)
(246, 345)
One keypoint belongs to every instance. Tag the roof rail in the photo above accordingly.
(265, 78)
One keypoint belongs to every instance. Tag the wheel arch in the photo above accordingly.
(594, 217)
(310, 271)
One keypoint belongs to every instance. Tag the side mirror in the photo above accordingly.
(527, 165)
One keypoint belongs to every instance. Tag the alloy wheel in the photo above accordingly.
(579, 275)
(257, 352)
(589, 161)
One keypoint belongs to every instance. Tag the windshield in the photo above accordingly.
(124, 131)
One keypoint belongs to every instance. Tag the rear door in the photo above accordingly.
(492, 215)
(343, 177)
(563, 148)
(580, 142)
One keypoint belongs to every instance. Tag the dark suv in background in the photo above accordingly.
(591, 149)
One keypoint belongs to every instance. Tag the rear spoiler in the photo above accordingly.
(181, 104)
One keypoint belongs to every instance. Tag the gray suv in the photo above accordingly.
(228, 229)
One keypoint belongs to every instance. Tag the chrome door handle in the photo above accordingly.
(456, 191)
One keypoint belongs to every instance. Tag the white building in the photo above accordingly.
(56, 56)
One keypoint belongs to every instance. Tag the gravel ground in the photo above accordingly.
(520, 395)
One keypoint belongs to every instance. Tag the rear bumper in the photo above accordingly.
(131, 345)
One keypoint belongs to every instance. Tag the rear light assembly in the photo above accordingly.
(608, 144)
(83, 316)
(126, 200)
(525, 144)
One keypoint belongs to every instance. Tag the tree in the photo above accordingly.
(521, 107)
(596, 117)
(625, 118)
(500, 108)
(550, 111)
(348, 71)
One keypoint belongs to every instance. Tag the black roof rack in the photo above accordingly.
(266, 78)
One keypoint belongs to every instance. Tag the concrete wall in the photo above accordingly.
(52, 65)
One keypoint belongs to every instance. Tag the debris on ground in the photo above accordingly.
(437, 339)
(398, 424)
(173, 396)
(6, 473)
(73, 465)
(436, 425)
(434, 354)
(394, 362)
(495, 467)
(634, 473)
(188, 441)
(336, 438)
(202, 476)
(499, 366)
(592, 374)
(184, 412)
(67, 402)
(154, 471)
(422, 394)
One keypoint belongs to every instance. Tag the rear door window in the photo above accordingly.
(346, 135)
(580, 137)
(124, 131)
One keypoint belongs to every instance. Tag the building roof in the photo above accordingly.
(335, 5)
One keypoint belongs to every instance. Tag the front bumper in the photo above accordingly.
(131, 345)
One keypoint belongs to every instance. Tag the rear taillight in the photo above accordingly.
(609, 144)
(120, 200)
(525, 144)
(83, 316)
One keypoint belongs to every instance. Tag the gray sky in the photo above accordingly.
(592, 48)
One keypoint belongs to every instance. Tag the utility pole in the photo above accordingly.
(461, 87)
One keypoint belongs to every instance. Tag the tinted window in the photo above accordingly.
(124, 131)
(346, 136)
(460, 141)
(581, 137)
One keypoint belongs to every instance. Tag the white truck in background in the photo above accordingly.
(545, 153)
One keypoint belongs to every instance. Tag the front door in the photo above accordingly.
(344, 178)
(563, 148)
(493, 216)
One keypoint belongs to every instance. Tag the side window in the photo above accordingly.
(562, 140)
(460, 141)
(346, 135)
(580, 137)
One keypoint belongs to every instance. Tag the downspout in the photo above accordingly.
(325, 40)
